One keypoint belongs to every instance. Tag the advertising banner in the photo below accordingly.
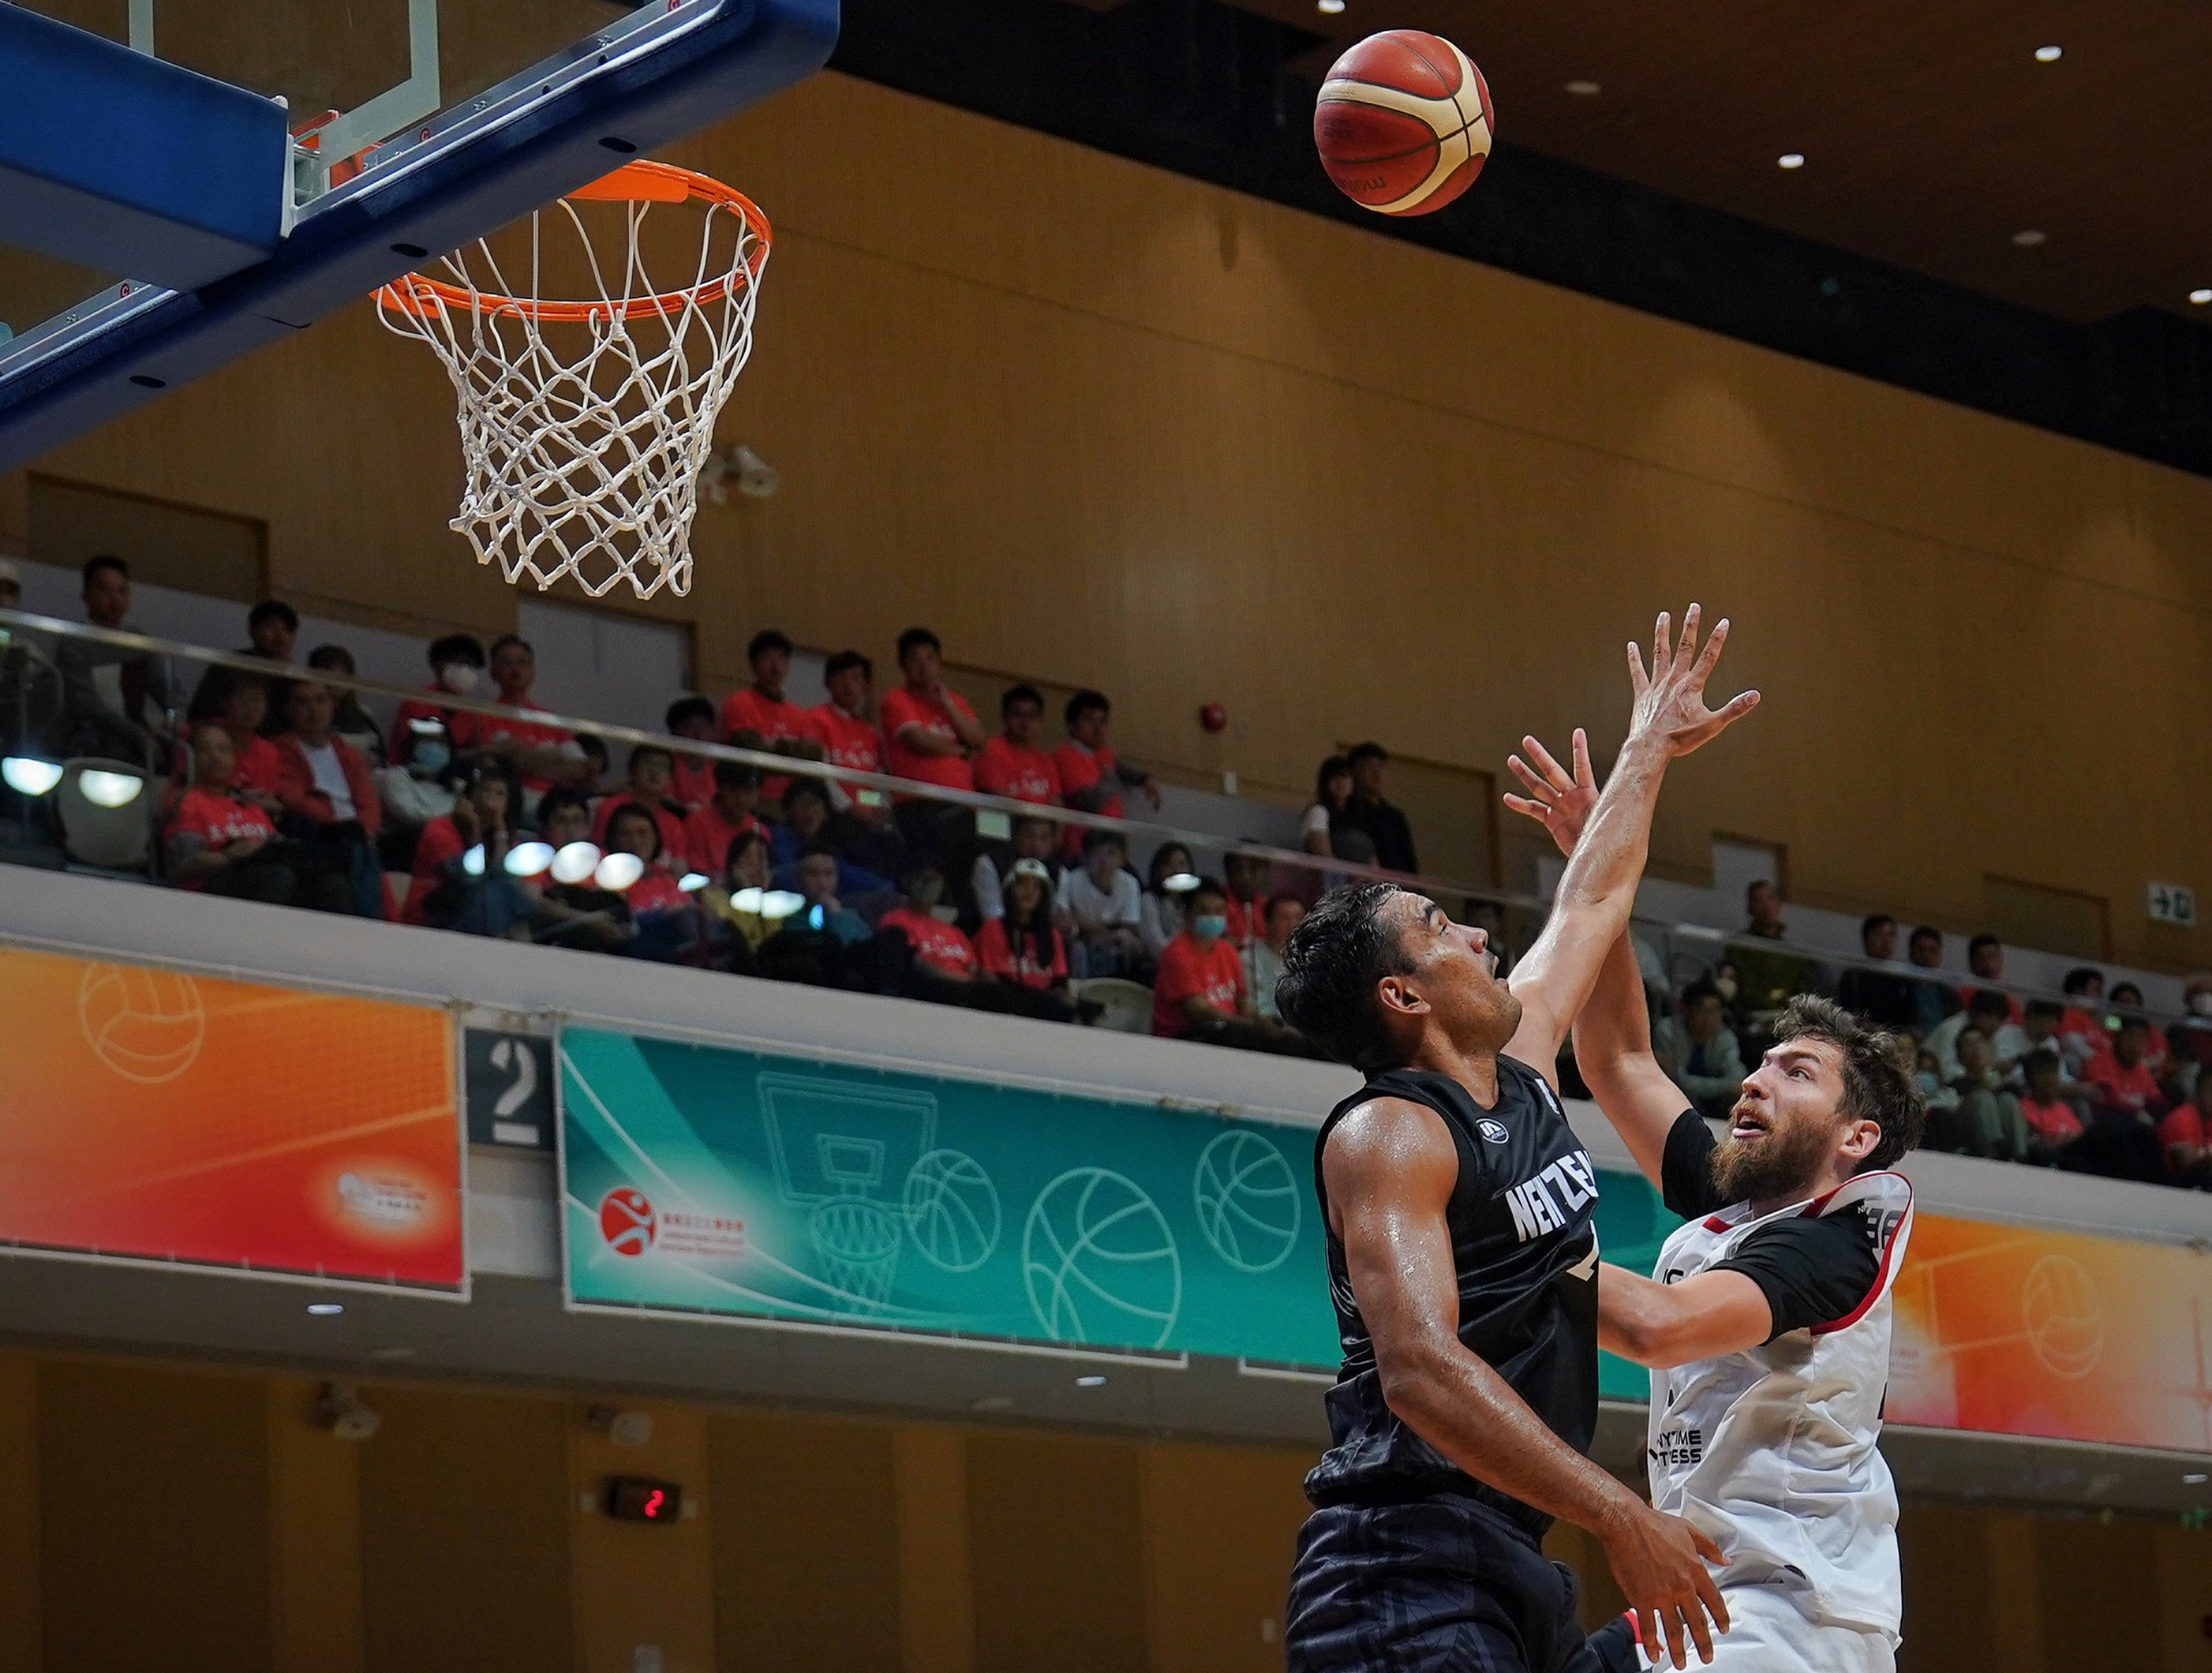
(707, 1180)
(153, 1114)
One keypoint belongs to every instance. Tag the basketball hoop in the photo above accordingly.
(584, 444)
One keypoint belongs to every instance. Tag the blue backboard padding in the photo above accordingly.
(124, 164)
(746, 51)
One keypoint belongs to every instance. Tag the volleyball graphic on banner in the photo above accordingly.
(1247, 1201)
(146, 1025)
(2065, 1319)
(1099, 1261)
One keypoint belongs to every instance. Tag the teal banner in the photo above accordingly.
(702, 1179)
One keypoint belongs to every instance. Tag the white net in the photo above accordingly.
(585, 423)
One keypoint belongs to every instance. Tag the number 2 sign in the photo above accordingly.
(507, 1085)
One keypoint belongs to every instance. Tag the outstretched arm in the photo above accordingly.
(1390, 1169)
(1707, 1317)
(1613, 1032)
(1591, 905)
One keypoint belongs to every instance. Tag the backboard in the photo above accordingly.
(409, 127)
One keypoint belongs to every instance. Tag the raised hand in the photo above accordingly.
(1556, 800)
(1670, 700)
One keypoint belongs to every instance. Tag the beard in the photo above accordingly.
(1780, 1165)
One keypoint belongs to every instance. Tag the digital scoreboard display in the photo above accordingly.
(638, 1499)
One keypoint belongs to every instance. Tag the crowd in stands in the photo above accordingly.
(288, 791)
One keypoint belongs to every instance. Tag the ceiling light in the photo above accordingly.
(2195, 1478)
(780, 903)
(1181, 882)
(528, 859)
(575, 863)
(1585, 89)
(2200, 297)
(617, 872)
(2028, 237)
(2049, 54)
(106, 789)
(28, 775)
(1328, 8)
(1095, 1380)
(472, 862)
(1791, 160)
(692, 882)
(324, 1309)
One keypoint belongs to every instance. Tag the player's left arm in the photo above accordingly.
(1591, 905)
(1705, 1318)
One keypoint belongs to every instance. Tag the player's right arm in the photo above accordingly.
(1389, 1168)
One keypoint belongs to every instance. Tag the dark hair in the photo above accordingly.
(1036, 929)
(1980, 1034)
(739, 844)
(1926, 932)
(272, 610)
(93, 566)
(767, 639)
(914, 639)
(1152, 879)
(1335, 766)
(1874, 921)
(814, 846)
(1331, 965)
(1095, 839)
(2079, 979)
(646, 752)
(1022, 693)
(844, 659)
(223, 684)
(1082, 703)
(2125, 993)
(2046, 1007)
(1370, 751)
(693, 708)
(561, 796)
(2042, 1058)
(1698, 990)
(1758, 883)
(332, 656)
(638, 810)
(1878, 1083)
(803, 787)
(1988, 1002)
(507, 639)
(736, 776)
(591, 744)
(457, 648)
(1210, 885)
(1984, 940)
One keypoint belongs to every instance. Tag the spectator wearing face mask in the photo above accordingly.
(692, 779)
(651, 777)
(1200, 992)
(1012, 764)
(413, 795)
(457, 668)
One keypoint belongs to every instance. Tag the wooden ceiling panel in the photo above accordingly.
(1932, 135)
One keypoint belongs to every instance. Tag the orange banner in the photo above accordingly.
(2012, 1330)
(153, 1114)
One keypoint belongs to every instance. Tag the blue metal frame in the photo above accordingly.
(564, 123)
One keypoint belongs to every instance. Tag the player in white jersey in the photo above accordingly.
(1768, 1326)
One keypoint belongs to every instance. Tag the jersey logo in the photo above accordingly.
(1492, 1130)
(1536, 1211)
(1678, 1449)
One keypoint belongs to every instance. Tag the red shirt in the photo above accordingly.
(463, 727)
(774, 718)
(675, 840)
(219, 820)
(2055, 1120)
(1187, 969)
(933, 715)
(708, 835)
(655, 891)
(848, 741)
(258, 764)
(694, 784)
(438, 846)
(1005, 769)
(1967, 998)
(2184, 1124)
(2125, 1088)
(938, 945)
(1245, 922)
(998, 956)
(1080, 768)
(527, 735)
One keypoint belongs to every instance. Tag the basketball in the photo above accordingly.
(1403, 123)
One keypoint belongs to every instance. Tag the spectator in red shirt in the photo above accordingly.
(437, 887)
(2053, 1123)
(1012, 764)
(457, 666)
(692, 784)
(2118, 1075)
(239, 702)
(1200, 992)
(1022, 947)
(541, 755)
(848, 734)
(2158, 1054)
(651, 776)
(2123, 1138)
(329, 792)
(220, 843)
(1091, 776)
(1245, 904)
(929, 733)
(2081, 1029)
(709, 831)
(782, 726)
(2186, 1134)
(939, 952)
(667, 920)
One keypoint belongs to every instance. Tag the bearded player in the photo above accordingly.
(1767, 1330)
(1457, 1206)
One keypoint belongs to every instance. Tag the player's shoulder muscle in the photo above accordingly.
(1393, 1145)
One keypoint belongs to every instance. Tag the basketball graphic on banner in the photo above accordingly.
(1099, 1261)
(2065, 1319)
(952, 1210)
(146, 1025)
(627, 1221)
(1247, 1201)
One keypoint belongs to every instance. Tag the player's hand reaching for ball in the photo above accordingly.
(1557, 800)
(1660, 1563)
(1670, 700)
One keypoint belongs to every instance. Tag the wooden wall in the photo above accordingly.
(1107, 425)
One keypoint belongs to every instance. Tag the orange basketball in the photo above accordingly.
(1404, 124)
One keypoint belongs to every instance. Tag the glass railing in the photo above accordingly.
(140, 757)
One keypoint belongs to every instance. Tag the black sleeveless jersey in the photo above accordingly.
(1524, 1244)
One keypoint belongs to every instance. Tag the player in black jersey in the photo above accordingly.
(1457, 1205)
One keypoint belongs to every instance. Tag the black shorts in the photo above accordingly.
(1438, 1585)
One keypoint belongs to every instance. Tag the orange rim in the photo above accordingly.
(637, 182)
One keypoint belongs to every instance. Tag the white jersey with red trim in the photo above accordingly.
(1772, 1451)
